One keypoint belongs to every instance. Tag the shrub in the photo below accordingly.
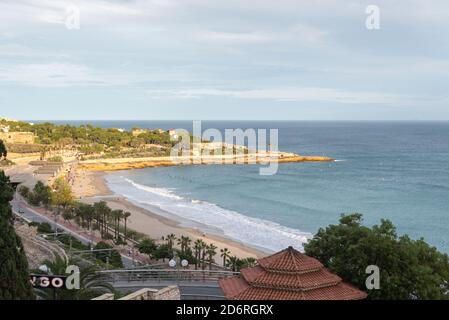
(114, 256)
(44, 227)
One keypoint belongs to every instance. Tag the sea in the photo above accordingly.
(383, 170)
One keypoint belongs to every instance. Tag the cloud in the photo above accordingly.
(27, 12)
(298, 94)
(287, 50)
(234, 37)
(60, 74)
(48, 75)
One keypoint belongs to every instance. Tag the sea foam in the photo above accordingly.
(254, 232)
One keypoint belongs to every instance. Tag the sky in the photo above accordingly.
(224, 59)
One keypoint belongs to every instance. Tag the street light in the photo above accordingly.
(175, 262)
(44, 268)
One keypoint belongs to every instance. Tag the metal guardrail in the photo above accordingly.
(159, 275)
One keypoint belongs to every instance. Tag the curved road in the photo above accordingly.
(189, 290)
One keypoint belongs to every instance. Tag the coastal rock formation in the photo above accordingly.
(139, 163)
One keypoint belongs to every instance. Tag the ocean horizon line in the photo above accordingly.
(239, 120)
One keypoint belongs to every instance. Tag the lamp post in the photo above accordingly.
(175, 262)
(44, 268)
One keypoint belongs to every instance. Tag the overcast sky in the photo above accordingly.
(224, 59)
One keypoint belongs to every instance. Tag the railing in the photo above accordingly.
(160, 275)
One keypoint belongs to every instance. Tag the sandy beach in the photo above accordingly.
(89, 185)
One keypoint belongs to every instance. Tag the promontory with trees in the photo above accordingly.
(136, 148)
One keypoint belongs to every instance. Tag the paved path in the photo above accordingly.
(30, 214)
(190, 290)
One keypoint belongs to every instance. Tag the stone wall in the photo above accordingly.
(18, 137)
(106, 296)
(168, 293)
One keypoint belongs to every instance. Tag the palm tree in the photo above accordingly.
(233, 262)
(249, 262)
(116, 217)
(203, 254)
(126, 215)
(102, 212)
(171, 238)
(197, 250)
(211, 251)
(184, 243)
(92, 284)
(225, 253)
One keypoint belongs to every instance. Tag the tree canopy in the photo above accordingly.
(14, 274)
(409, 269)
(62, 195)
(3, 150)
(87, 135)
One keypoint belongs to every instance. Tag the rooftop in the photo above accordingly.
(288, 275)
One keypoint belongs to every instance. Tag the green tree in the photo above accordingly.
(249, 262)
(163, 252)
(43, 194)
(234, 263)
(147, 246)
(85, 214)
(62, 196)
(24, 191)
(197, 252)
(112, 256)
(409, 269)
(14, 274)
(92, 284)
(126, 215)
(102, 212)
(211, 251)
(116, 216)
(184, 243)
(225, 253)
(170, 239)
(3, 150)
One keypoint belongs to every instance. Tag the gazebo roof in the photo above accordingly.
(288, 275)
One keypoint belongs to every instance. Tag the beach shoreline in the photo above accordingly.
(90, 186)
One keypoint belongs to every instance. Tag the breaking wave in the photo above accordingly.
(250, 231)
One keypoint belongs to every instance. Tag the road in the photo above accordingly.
(31, 215)
(189, 290)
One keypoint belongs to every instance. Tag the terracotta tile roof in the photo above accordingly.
(341, 291)
(303, 281)
(233, 286)
(289, 275)
(290, 260)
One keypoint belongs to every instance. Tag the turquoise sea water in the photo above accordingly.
(394, 170)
